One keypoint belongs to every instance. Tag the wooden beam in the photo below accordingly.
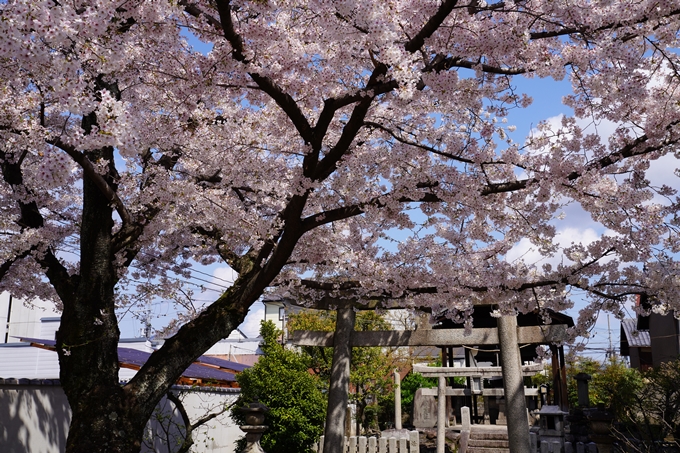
(436, 337)
(485, 372)
(466, 392)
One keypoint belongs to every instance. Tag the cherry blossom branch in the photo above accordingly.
(430, 149)
(7, 265)
(332, 105)
(98, 179)
(195, 11)
(228, 255)
(346, 212)
(351, 286)
(630, 150)
(127, 235)
(585, 31)
(32, 218)
(283, 99)
(443, 64)
(356, 121)
(431, 26)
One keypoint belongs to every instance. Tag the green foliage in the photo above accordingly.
(411, 383)
(613, 384)
(281, 380)
(647, 404)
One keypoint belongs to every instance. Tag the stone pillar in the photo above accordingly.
(441, 415)
(513, 385)
(582, 388)
(397, 400)
(334, 434)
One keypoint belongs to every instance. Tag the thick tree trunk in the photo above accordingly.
(104, 418)
(103, 423)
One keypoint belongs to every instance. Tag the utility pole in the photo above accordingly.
(611, 353)
(9, 314)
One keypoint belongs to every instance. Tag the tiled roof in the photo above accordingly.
(636, 338)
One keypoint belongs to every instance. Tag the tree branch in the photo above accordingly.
(31, 218)
(430, 149)
(5, 267)
(195, 11)
(329, 163)
(88, 169)
(228, 255)
(346, 212)
(444, 64)
(431, 26)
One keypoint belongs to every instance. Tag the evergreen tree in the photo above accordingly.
(281, 381)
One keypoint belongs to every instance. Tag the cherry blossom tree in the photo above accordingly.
(360, 145)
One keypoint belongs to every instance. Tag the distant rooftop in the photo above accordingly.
(206, 371)
(635, 338)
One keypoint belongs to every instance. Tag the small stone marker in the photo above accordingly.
(465, 418)
(424, 410)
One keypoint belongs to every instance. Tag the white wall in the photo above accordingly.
(219, 435)
(35, 419)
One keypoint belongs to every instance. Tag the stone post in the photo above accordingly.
(397, 400)
(582, 388)
(441, 415)
(334, 434)
(513, 385)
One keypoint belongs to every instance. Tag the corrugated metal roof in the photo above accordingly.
(204, 369)
(636, 338)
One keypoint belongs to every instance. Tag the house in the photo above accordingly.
(650, 340)
(277, 310)
(21, 318)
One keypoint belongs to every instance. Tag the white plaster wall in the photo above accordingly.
(35, 419)
(219, 435)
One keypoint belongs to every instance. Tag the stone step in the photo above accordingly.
(487, 450)
(488, 435)
(473, 442)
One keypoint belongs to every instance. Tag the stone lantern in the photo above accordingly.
(254, 428)
(551, 424)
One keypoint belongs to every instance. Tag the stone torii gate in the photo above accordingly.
(507, 335)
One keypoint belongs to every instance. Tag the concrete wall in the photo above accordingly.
(34, 418)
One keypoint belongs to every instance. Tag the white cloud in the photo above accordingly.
(224, 277)
(251, 325)
(662, 171)
(525, 251)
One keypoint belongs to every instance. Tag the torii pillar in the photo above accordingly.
(338, 393)
(513, 386)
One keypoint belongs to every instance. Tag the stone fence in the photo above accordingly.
(362, 444)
